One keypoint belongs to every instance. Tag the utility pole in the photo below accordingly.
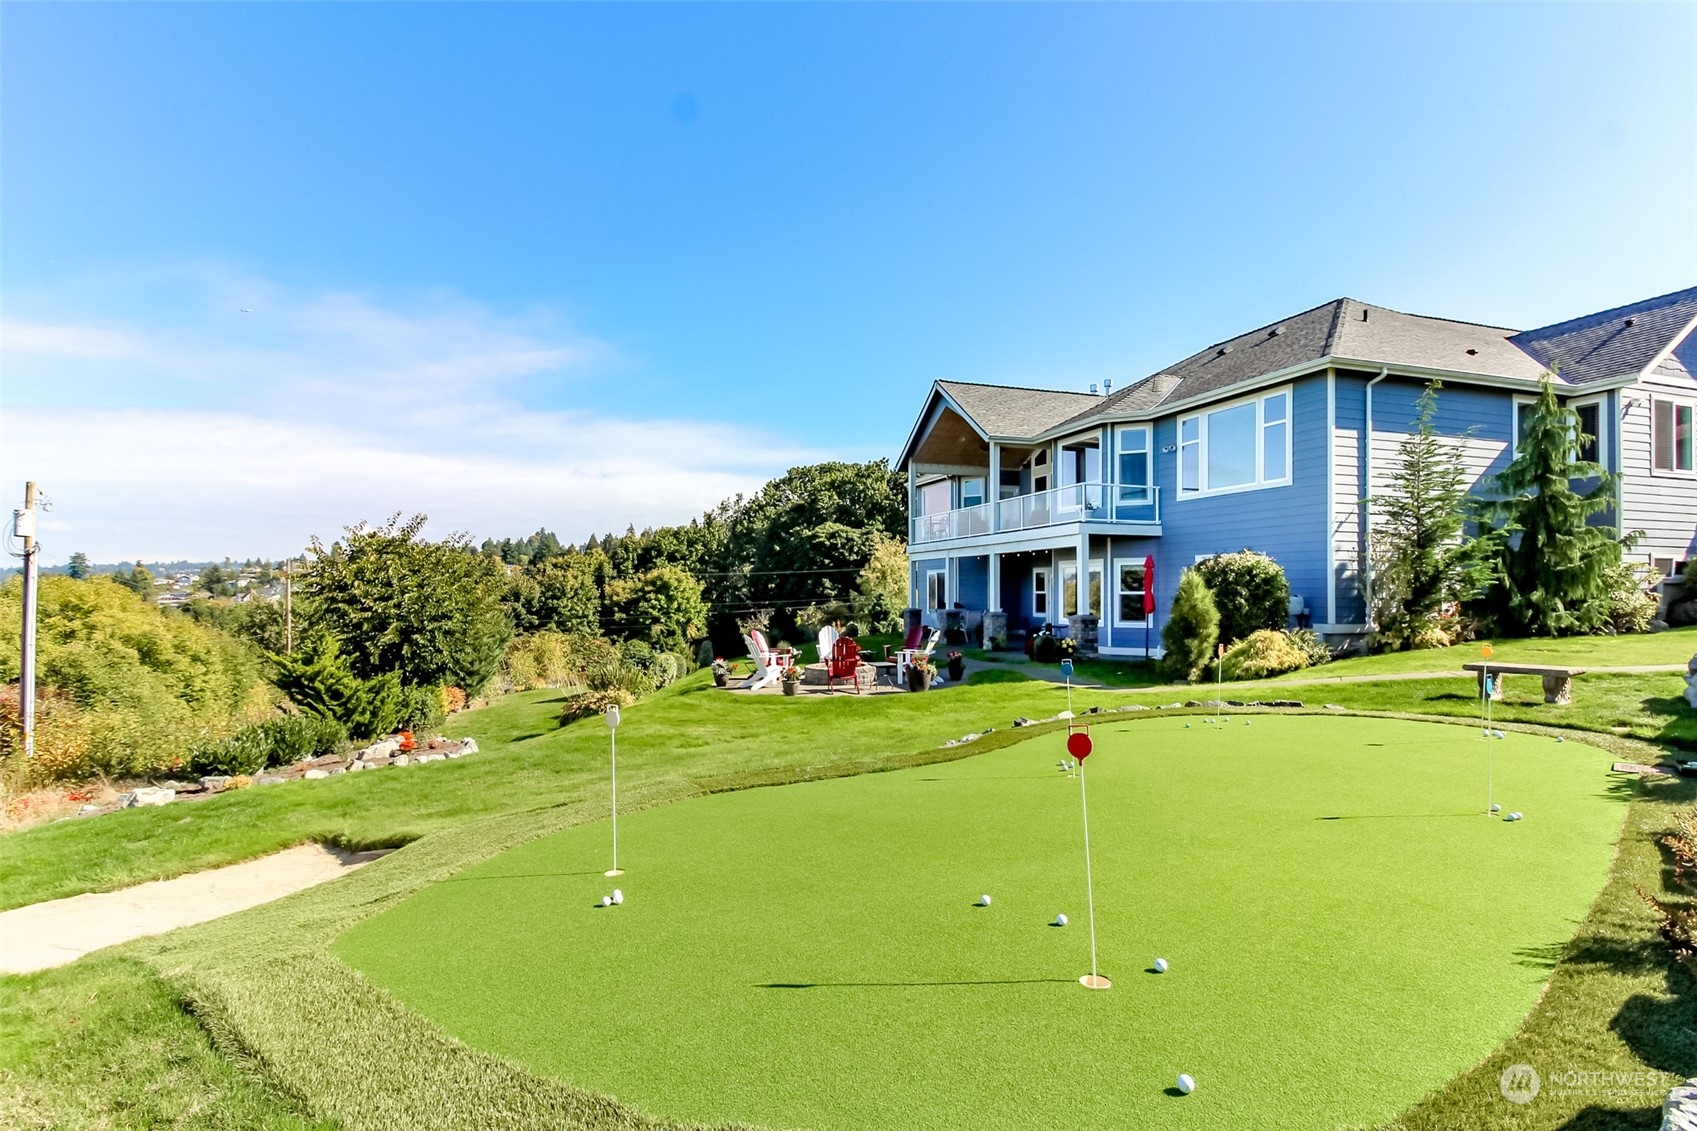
(289, 606)
(24, 523)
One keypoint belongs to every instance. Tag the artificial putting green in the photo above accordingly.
(1347, 930)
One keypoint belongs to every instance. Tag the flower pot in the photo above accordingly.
(957, 669)
(918, 679)
(791, 686)
(720, 680)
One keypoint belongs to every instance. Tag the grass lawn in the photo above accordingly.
(1675, 646)
(1327, 889)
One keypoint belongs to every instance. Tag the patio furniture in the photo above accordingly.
(844, 663)
(769, 662)
(904, 657)
(1558, 681)
(827, 642)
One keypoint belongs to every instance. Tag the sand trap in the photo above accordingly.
(44, 935)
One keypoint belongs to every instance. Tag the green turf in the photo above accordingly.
(809, 955)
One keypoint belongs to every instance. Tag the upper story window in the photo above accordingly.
(1590, 446)
(934, 497)
(1237, 447)
(1671, 436)
(971, 492)
(1040, 472)
(1134, 476)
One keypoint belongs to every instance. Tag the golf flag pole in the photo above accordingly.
(612, 718)
(1066, 670)
(1079, 746)
(1219, 681)
(1485, 693)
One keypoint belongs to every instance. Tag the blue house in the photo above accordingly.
(1033, 506)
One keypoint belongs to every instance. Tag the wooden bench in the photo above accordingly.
(1558, 682)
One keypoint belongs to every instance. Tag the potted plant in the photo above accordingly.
(721, 672)
(957, 667)
(791, 680)
(919, 674)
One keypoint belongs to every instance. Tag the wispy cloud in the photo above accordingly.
(190, 427)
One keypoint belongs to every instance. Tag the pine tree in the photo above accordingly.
(1419, 559)
(1549, 563)
(78, 567)
(1192, 628)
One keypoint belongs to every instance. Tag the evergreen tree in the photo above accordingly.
(1420, 561)
(137, 580)
(78, 567)
(1549, 565)
(1192, 628)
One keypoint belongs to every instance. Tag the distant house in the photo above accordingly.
(1270, 441)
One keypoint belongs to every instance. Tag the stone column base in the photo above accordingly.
(995, 630)
(1083, 628)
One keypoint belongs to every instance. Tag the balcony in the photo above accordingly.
(1078, 502)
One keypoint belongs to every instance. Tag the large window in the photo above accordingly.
(1069, 589)
(1671, 436)
(1131, 589)
(1237, 447)
(936, 589)
(1134, 478)
(934, 498)
(1039, 593)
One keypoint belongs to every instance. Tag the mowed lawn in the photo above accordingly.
(1347, 931)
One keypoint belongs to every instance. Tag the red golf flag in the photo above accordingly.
(1078, 744)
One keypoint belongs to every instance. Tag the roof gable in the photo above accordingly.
(1005, 410)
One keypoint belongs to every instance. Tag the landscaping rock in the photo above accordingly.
(401, 760)
(1283, 703)
(89, 810)
(315, 775)
(1135, 707)
(382, 749)
(217, 783)
(1679, 1110)
(1171, 706)
(1335, 707)
(468, 746)
(1191, 703)
(146, 796)
(456, 753)
(269, 779)
(423, 758)
(1022, 721)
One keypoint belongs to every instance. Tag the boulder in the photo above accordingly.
(380, 749)
(1679, 1110)
(468, 746)
(146, 795)
(401, 760)
(456, 753)
(269, 779)
(216, 783)
(315, 775)
(1022, 721)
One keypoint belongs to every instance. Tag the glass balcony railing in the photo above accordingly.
(1077, 502)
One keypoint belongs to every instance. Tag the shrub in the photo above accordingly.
(1263, 653)
(1249, 590)
(421, 709)
(1309, 643)
(1047, 648)
(587, 703)
(704, 656)
(64, 740)
(453, 700)
(319, 680)
(274, 742)
(244, 752)
(1192, 628)
(1632, 606)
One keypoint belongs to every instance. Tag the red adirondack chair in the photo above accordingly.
(844, 663)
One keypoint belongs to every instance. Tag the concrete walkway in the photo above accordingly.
(44, 935)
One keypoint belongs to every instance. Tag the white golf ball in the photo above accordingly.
(1186, 1084)
(1060, 920)
(1496, 808)
(1515, 816)
(1186, 726)
(618, 896)
(1160, 966)
(983, 901)
(606, 901)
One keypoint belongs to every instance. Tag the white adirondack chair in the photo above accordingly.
(905, 656)
(827, 641)
(769, 663)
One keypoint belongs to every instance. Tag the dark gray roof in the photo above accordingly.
(1007, 410)
(1345, 330)
(1613, 343)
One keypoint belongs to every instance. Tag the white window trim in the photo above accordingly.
(929, 574)
(1514, 424)
(1258, 399)
(1118, 593)
(1672, 473)
(1148, 458)
(1048, 592)
(1602, 406)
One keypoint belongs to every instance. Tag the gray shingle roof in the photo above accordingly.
(1592, 348)
(1612, 343)
(1007, 410)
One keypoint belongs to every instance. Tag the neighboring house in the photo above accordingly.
(1267, 441)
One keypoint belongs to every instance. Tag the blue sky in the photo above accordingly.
(578, 265)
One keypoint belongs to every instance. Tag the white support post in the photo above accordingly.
(993, 492)
(1083, 601)
(994, 602)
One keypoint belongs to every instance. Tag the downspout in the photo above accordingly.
(1366, 497)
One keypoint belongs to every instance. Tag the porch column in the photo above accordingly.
(1083, 601)
(994, 604)
(912, 504)
(993, 495)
